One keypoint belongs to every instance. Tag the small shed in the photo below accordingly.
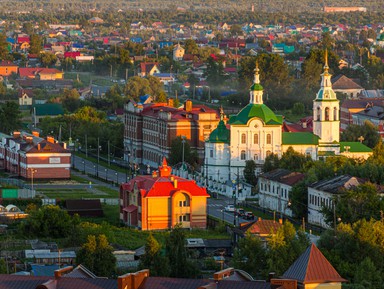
(84, 208)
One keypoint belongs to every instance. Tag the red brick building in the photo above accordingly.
(161, 200)
(150, 129)
(30, 156)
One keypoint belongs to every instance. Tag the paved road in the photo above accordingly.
(216, 209)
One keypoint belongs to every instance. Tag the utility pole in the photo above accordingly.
(86, 146)
(126, 74)
(109, 157)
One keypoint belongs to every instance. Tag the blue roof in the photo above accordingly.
(78, 45)
(163, 74)
(44, 270)
(136, 39)
(143, 98)
(11, 40)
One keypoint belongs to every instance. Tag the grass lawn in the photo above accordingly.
(110, 192)
(66, 194)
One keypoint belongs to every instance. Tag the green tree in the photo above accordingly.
(191, 47)
(250, 256)
(36, 44)
(4, 53)
(271, 163)
(298, 108)
(97, 255)
(3, 266)
(176, 155)
(10, 117)
(48, 59)
(299, 199)
(368, 131)
(176, 252)
(236, 30)
(214, 72)
(136, 87)
(152, 258)
(250, 172)
(294, 161)
(50, 221)
(70, 99)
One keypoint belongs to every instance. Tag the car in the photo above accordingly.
(249, 216)
(229, 208)
(240, 212)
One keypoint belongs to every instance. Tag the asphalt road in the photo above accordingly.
(216, 209)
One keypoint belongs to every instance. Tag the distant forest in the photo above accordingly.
(290, 6)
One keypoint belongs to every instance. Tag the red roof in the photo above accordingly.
(71, 54)
(313, 267)
(130, 209)
(164, 185)
(31, 72)
(264, 227)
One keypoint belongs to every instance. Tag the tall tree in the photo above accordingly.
(152, 258)
(4, 53)
(36, 44)
(10, 117)
(250, 172)
(191, 47)
(96, 254)
(368, 131)
(176, 155)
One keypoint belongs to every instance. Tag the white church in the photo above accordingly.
(256, 132)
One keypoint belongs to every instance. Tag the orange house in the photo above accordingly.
(7, 68)
(161, 201)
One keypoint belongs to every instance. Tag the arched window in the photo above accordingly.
(242, 155)
(269, 138)
(318, 114)
(268, 153)
(243, 138)
(327, 114)
(255, 157)
(255, 138)
(335, 113)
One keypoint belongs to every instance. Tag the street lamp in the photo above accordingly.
(117, 180)
(222, 215)
(33, 171)
(94, 166)
(183, 142)
(83, 167)
(106, 174)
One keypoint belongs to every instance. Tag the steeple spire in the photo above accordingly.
(326, 67)
(256, 93)
(221, 113)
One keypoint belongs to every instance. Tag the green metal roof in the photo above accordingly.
(256, 86)
(298, 138)
(48, 109)
(260, 111)
(220, 134)
(354, 147)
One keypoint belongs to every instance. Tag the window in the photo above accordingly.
(327, 114)
(318, 114)
(242, 155)
(255, 138)
(269, 138)
(243, 138)
(211, 153)
(334, 113)
(255, 157)
(268, 153)
(183, 203)
(184, 218)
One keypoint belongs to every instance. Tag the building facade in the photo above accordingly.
(32, 157)
(150, 128)
(161, 201)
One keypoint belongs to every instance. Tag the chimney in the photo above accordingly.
(132, 280)
(16, 134)
(50, 139)
(50, 284)
(222, 274)
(59, 272)
(259, 219)
(170, 101)
(175, 183)
(304, 124)
(188, 105)
(154, 174)
(281, 221)
(286, 283)
(38, 146)
(271, 275)
(35, 133)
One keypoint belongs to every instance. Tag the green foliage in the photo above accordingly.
(298, 108)
(368, 131)
(138, 86)
(176, 252)
(48, 59)
(176, 155)
(250, 172)
(356, 252)
(153, 259)
(250, 256)
(4, 53)
(299, 200)
(214, 72)
(36, 44)
(294, 161)
(50, 221)
(96, 254)
(10, 117)
(70, 98)
(3, 266)
(271, 163)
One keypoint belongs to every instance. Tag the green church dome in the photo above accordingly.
(260, 111)
(220, 134)
(256, 87)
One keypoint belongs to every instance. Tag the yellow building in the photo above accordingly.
(161, 201)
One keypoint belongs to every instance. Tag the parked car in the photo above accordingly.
(240, 212)
(229, 208)
(249, 216)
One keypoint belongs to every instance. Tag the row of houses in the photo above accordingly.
(274, 188)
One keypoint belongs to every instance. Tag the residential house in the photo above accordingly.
(161, 201)
(345, 85)
(150, 128)
(32, 157)
(324, 194)
(373, 114)
(25, 97)
(7, 68)
(274, 188)
(96, 20)
(351, 106)
(178, 53)
(40, 73)
(148, 68)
